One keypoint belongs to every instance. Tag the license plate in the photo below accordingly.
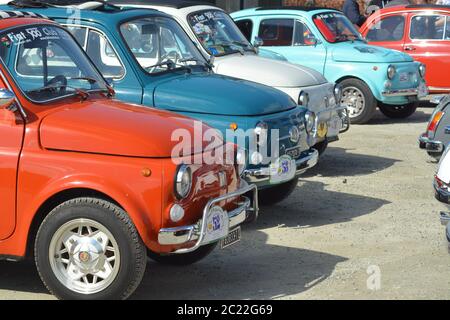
(404, 77)
(423, 90)
(232, 238)
(282, 170)
(217, 225)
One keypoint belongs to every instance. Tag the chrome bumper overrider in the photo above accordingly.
(430, 145)
(401, 92)
(196, 232)
(263, 174)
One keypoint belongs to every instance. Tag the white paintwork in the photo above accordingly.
(444, 167)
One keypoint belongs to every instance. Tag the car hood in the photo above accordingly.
(361, 52)
(217, 94)
(266, 71)
(114, 128)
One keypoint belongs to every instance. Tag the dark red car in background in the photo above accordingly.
(422, 31)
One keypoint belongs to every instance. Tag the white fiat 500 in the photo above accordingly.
(220, 40)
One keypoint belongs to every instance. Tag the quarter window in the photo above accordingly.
(246, 27)
(303, 35)
(428, 27)
(277, 32)
(390, 28)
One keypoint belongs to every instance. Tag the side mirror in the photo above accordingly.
(258, 42)
(312, 41)
(7, 99)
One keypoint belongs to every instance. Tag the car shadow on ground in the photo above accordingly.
(309, 206)
(337, 162)
(380, 119)
(20, 276)
(277, 271)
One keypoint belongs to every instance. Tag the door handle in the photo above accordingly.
(409, 48)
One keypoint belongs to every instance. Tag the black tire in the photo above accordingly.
(398, 112)
(370, 104)
(276, 194)
(321, 146)
(183, 259)
(116, 221)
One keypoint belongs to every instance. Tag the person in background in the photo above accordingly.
(443, 2)
(351, 10)
(394, 3)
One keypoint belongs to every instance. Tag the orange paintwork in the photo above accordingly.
(433, 53)
(101, 145)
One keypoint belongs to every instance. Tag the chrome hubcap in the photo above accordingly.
(84, 256)
(354, 99)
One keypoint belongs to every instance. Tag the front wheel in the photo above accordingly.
(183, 259)
(273, 195)
(88, 248)
(398, 112)
(359, 100)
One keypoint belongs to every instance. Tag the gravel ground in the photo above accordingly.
(367, 206)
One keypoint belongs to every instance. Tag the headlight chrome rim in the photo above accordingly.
(310, 122)
(422, 70)
(183, 189)
(391, 72)
(303, 99)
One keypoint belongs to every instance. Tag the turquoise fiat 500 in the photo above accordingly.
(150, 60)
(326, 40)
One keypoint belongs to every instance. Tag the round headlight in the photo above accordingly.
(338, 93)
(183, 181)
(310, 122)
(422, 70)
(303, 99)
(261, 132)
(391, 71)
(240, 161)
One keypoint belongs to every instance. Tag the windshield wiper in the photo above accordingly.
(246, 46)
(83, 94)
(202, 62)
(88, 79)
(347, 37)
(170, 66)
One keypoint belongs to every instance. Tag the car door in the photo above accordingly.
(428, 41)
(294, 39)
(11, 133)
(387, 31)
(106, 58)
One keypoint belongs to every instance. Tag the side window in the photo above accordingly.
(277, 32)
(303, 35)
(103, 55)
(391, 28)
(79, 33)
(246, 27)
(428, 27)
(447, 28)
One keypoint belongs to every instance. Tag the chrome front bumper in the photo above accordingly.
(431, 146)
(401, 92)
(262, 175)
(196, 232)
(445, 221)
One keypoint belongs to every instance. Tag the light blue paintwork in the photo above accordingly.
(337, 61)
(214, 99)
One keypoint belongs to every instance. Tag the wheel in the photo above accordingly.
(398, 112)
(273, 195)
(321, 146)
(358, 98)
(183, 259)
(88, 248)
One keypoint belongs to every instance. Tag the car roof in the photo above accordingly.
(283, 10)
(177, 4)
(102, 15)
(415, 7)
(10, 19)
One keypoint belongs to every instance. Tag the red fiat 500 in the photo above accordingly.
(90, 185)
(423, 31)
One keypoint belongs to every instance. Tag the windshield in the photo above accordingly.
(159, 44)
(47, 63)
(217, 33)
(336, 27)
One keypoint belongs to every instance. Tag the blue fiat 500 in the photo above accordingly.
(149, 60)
(327, 41)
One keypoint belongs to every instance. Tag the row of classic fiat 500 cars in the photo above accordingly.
(92, 186)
